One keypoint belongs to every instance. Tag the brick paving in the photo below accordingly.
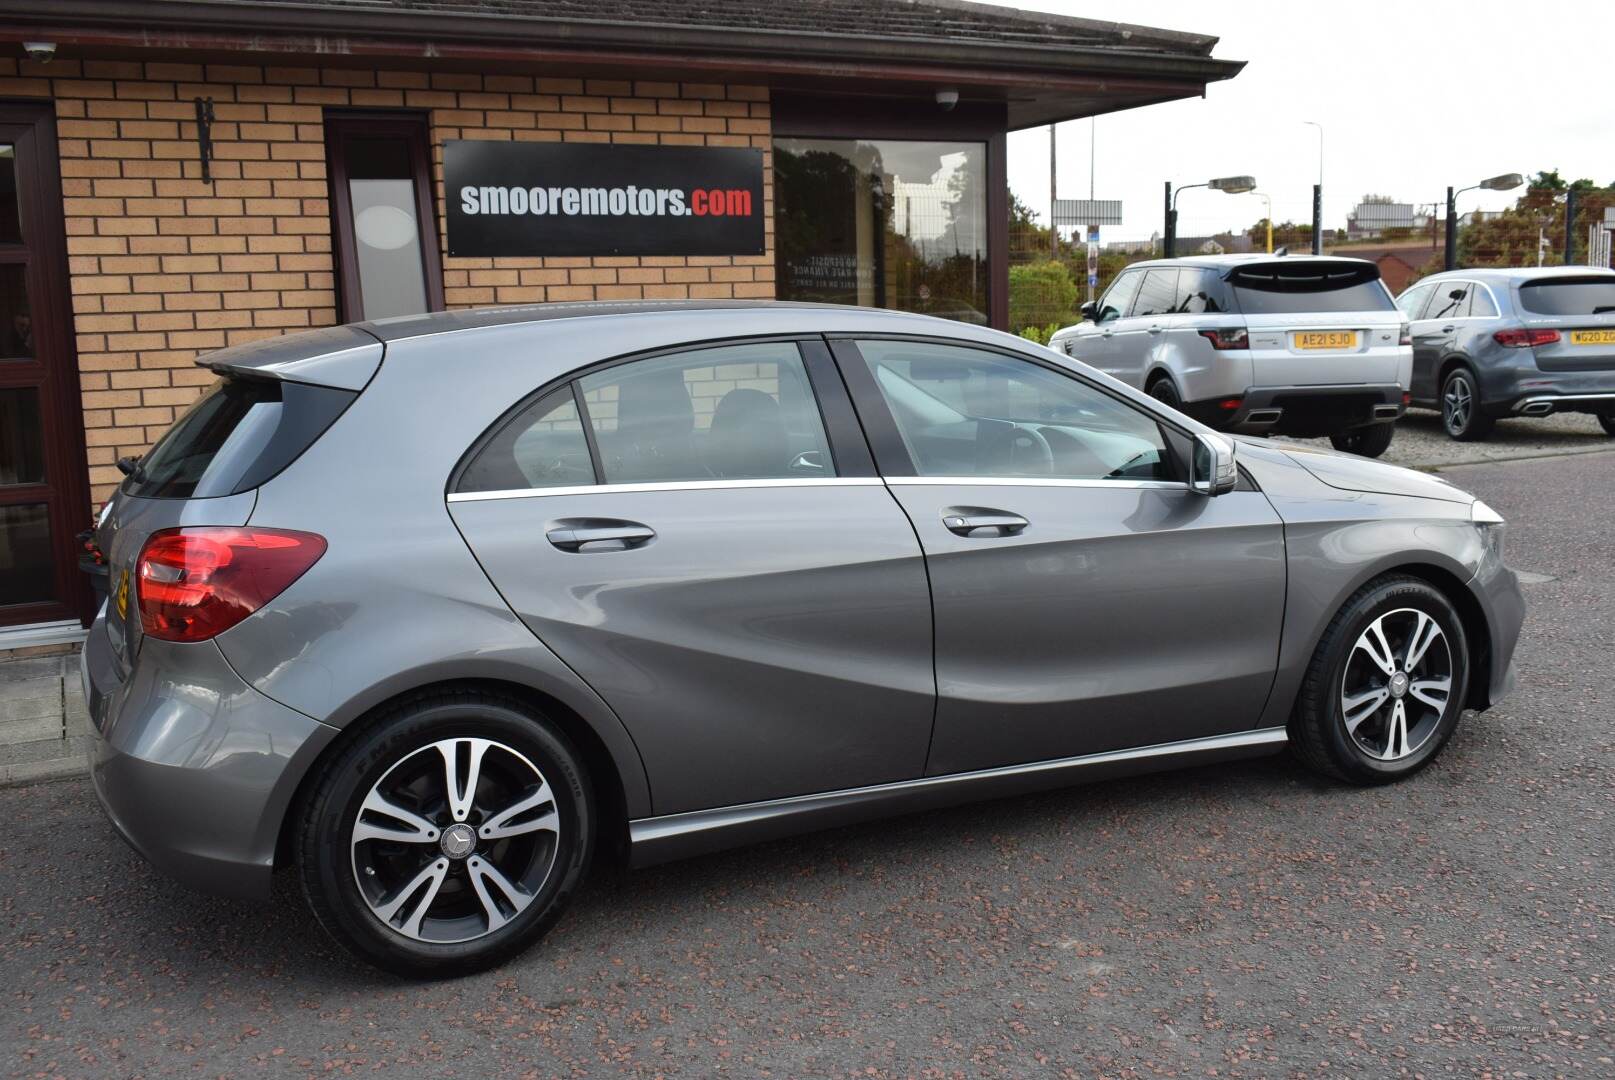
(43, 722)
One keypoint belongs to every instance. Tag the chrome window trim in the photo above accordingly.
(670, 826)
(1031, 481)
(666, 485)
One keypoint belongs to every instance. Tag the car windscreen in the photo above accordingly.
(1569, 296)
(1307, 287)
(238, 435)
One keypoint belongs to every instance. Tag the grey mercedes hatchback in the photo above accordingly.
(433, 610)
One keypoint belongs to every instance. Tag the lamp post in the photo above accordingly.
(1228, 185)
(1268, 199)
(1504, 182)
(1317, 195)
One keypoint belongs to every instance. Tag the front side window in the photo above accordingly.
(968, 412)
(735, 412)
(1412, 301)
(1118, 299)
(885, 223)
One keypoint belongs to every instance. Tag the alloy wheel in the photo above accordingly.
(1397, 686)
(455, 840)
(1457, 404)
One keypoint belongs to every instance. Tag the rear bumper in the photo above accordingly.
(194, 767)
(1544, 404)
(1302, 410)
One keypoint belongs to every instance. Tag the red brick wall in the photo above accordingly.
(163, 265)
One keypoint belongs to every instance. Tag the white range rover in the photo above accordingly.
(1302, 345)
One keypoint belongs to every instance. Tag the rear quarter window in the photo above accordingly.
(241, 433)
(1305, 287)
(1569, 296)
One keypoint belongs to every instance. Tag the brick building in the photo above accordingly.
(181, 175)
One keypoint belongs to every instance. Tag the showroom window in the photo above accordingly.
(889, 223)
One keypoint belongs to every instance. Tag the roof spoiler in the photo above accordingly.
(343, 357)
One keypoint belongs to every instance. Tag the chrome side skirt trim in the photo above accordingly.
(671, 828)
(672, 485)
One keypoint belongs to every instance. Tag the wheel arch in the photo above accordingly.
(613, 797)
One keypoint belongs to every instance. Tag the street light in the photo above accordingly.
(1502, 182)
(1317, 194)
(1268, 199)
(1228, 185)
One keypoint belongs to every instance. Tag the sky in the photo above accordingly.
(1412, 95)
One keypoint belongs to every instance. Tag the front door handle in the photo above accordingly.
(1155, 329)
(584, 535)
(979, 522)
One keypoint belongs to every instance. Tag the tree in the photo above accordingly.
(1513, 237)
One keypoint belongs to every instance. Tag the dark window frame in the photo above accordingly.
(415, 129)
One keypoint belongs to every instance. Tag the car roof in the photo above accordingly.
(1229, 262)
(1518, 273)
(403, 327)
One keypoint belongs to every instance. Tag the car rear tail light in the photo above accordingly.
(1231, 404)
(1227, 339)
(1407, 398)
(196, 583)
(1522, 338)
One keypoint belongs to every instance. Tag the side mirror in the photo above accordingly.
(1213, 470)
(1089, 309)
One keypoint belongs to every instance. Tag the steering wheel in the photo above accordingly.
(1007, 443)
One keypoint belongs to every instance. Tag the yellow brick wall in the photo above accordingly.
(163, 266)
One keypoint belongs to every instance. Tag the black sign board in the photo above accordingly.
(512, 198)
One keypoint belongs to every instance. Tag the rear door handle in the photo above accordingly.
(1155, 329)
(979, 522)
(584, 535)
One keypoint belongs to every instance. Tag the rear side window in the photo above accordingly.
(1305, 287)
(240, 434)
(542, 446)
(1451, 300)
(1158, 294)
(1201, 292)
(1569, 296)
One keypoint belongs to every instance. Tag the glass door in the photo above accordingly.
(44, 496)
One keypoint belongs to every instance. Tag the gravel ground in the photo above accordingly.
(1237, 921)
(1421, 442)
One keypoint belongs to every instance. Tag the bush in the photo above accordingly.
(1041, 293)
(1041, 334)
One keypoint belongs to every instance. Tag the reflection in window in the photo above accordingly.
(17, 327)
(883, 223)
(965, 412)
(22, 446)
(728, 413)
(27, 568)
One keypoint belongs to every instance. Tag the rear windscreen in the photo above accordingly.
(241, 433)
(1304, 287)
(1569, 296)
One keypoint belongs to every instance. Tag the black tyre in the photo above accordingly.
(1164, 391)
(1461, 412)
(1607, 422)
(447, 835)
(1386, 685)
(1370, 441)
